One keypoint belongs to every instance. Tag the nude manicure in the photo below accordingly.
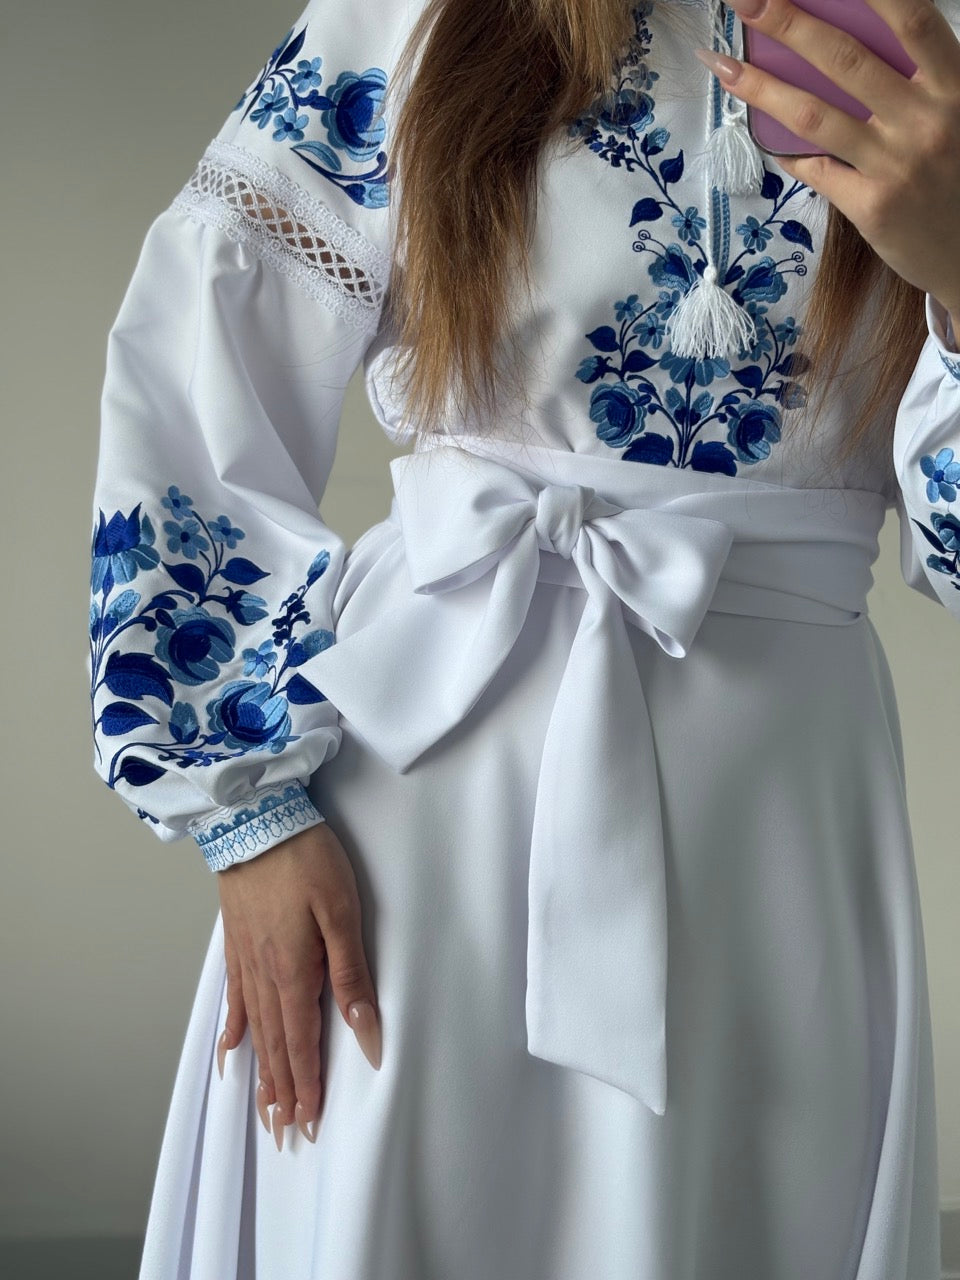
(278, 1126)
(263, 1105)
(308, 1131)
(221, 1052)
(366, 1028)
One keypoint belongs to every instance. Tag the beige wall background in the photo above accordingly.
(107, 107)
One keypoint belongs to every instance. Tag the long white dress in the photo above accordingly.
(598, 710)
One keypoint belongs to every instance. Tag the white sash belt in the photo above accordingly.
(481, 522)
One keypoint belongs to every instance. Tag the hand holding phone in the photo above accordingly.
(853, 16)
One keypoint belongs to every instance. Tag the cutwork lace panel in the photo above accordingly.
(237, 192)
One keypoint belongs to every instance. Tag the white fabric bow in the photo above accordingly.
(473, 533)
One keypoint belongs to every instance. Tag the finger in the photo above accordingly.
(927, 37)
(275, 1038)
(236, 1022)
(300, 1006)
(266, 1093)
(350, 979)
(838, 55)
(802, 112)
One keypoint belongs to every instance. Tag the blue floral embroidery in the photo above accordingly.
(951, 364)
(624, 402)
(943, 531)
(193, 623)
(351, 114)
(942, 474)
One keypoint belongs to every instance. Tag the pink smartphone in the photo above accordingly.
(854, 16)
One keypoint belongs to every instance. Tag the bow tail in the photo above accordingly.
(597, 945)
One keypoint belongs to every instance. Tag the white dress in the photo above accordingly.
(598, 711)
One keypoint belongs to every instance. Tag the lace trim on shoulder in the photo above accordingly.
(240, 194)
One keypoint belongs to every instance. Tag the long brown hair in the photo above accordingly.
(493, 82)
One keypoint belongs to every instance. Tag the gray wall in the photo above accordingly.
(106, 108)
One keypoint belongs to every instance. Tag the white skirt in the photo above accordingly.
(799, 1136)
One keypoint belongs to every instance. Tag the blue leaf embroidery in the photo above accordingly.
(192, 630)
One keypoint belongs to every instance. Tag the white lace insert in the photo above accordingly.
(236, 191)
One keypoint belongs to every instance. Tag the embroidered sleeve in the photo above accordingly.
(926, 456)
(213, 573)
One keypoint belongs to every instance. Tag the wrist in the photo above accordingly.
(242, 831)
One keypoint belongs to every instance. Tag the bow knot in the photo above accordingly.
(560, 515)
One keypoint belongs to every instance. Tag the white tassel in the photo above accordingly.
(732, 160)
(707, 321)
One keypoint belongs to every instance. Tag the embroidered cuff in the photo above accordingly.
(239, 832)
(941, 330)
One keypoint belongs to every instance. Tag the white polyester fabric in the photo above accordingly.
(597, 709)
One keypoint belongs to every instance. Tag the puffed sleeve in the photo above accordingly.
(926, 459)
(255, 297)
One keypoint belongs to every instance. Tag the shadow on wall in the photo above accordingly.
(71, 1259)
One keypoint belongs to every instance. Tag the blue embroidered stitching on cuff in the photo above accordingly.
(251, 830)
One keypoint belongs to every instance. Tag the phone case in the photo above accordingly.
(854, 16)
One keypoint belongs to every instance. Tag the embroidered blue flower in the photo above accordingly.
(753, 428)
(629, 309)
(185, 537)
(689, 223)
(308, 75)
(221, 530)
(346, 121)
(709, 414)
(188, 620)
(121, 549)
(180, 505)
(355, 122)
(274, 101)
(289, 126)
(257, 662)
(755, 235)
(619, 413)
(248, 715)
(193, 644)
(942, 473)
(943, 534)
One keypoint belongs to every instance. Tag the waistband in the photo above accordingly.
(482, 521)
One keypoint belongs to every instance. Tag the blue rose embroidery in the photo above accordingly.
(286, 98)
(193, 623)
(943, 531)
(698, 427)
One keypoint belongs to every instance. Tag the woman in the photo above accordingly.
(569, 916)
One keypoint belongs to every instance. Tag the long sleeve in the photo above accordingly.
(926, 458)
(213, 574)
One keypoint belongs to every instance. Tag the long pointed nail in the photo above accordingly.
(263, 1105)
(366, 1028)
(308, 1131)
(221, 1052)
(278, 1126)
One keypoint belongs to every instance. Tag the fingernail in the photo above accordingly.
(278, 1126)
(308, 1131)
(221, 1051)
(366, 1028)
(262, 1105)
(728, 69)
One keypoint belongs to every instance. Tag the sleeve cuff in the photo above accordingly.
(242, 831)
(941, 331)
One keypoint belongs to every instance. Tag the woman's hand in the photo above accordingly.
(287, 914)
(900, 185)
